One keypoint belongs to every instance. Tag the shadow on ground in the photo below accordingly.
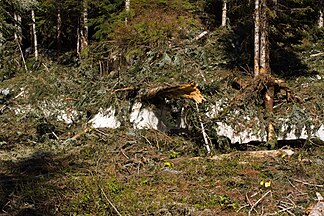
(27, 187)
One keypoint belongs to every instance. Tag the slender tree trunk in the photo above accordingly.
(261, 63)
(59, 31)
(263, 67)
(1, 38)
(34, 35)
(84, 28)
(18, 30)
(224, 11)
(321, 18)
(127, 8)
(78, 39)
(256, 38)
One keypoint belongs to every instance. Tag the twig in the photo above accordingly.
(294, 186)
(101, 132)
(248, 200)
(2, 109)
(258, 201)
(131, 88)
(22, 56)
(203, 130)
(45, 67)
(54, 134)
(146, 139)
(123, 153)
(110, 203)
(317, 54)
(282, 210)
(310, 184)
(242, 207)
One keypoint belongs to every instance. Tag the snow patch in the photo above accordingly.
(105, 119)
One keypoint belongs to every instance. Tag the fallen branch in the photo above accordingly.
(131, 88)
(306, 183)
(317, 54)
(318, 208)
(78, 135)
(258, 201)
(255, 154)
(201, 35)
(110, 203)
(205, 136)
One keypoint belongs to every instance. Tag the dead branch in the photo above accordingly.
(255, 154)
(110, 203)
(131, 88)
(258, 201)
(78, 135)
(306, 183)
(205, 136)
(318, 208)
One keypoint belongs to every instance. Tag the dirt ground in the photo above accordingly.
(128, 172)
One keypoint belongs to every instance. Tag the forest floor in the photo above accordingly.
(45, 169)
(147, 172)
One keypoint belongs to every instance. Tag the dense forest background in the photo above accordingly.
(108, 28)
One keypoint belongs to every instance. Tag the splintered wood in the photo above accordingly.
(187, 91)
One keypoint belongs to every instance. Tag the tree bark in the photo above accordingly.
(18, 30)
(78, 39)
(263, 67)
(256, 38)
(59, 31)
(224, 13)
(321, 18)
(1, 38)
(127, 8)
(84, 27)
(34, 35)
(261, 63)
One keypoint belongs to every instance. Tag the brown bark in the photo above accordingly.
(261, 63)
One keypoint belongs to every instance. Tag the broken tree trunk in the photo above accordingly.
(261, 64)
(187, 91)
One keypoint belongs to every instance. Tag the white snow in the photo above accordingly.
(105, 119)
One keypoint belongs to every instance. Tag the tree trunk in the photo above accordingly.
(256, 38)
(59, 31)
(84, 27)
(224, 11)
(321, 18)
(78, 39)
(127, 8)
(34, 35)
(261, 63)
(1, 38)
(18, 30)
